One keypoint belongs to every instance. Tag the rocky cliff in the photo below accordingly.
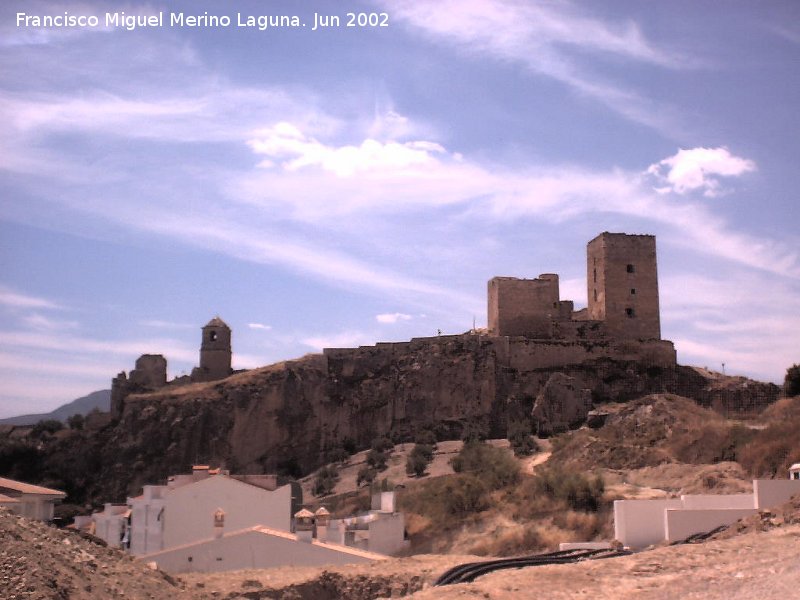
(287, 417)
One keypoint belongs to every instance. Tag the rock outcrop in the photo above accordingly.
(287, 417)
(561, 404)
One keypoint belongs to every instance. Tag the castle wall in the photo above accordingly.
(524, 306)
(622, 281)
(150, 371)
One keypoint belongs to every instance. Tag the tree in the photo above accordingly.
(75, 421)
(791, 383)
(365, 475)
(46, 426)
(419, 459)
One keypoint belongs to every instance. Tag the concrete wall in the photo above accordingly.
(640, 523)
(252, 550)
(622, 281)
(770, 493)
(189, 509)
(718, 501)
(524, 306)
(147, 520)
(110, 523)
(386, 534)
(681, 523)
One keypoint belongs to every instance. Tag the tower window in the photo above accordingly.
(630, 269)
(595, 295)
(631, 314)
(212, 336)
(594, 273)
(633, 291)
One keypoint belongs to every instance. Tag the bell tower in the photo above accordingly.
(215, 351)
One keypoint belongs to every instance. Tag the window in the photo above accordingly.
(630, 313)
(595, 295)
(633, 291)
(595, 275)
(630, 269)
(212, 336)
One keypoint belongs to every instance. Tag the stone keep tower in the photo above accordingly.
(623, 284)
(215, 350)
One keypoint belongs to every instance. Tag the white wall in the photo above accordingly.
(640, 523)
(770, 493)
(386, 534)
(147, 519)
(250, 550)
(679, 524)
(718, 501)
(189, 509)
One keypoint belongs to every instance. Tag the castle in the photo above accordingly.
(622, 291)
(150, 372)
(530, 329)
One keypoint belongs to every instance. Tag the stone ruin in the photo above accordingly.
(150, 372)
(531, 331)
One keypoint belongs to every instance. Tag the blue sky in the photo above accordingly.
(351, 185)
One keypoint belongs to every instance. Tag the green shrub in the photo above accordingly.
(575, 489)
(493, 466)
(519, 434)
(419, 459)
(377, 459)
(382, 444)
(75, 421)
(464, 495)
(325, 481)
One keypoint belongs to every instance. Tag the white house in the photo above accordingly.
(256, 548)
(28, 500)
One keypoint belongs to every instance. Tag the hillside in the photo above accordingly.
(98, 400)
(287, 418)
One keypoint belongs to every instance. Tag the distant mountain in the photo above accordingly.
(100, 400)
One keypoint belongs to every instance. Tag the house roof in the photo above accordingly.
(260, 529)
(8, 499)
(27, 488)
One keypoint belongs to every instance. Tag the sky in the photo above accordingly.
(345, 185)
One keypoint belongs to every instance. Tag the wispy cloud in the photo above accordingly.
(544, 37)
(14, 299)
(259, 326)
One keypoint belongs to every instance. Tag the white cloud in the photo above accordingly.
(698, 169)
(391, 318)
(286, 143)
(260, 326)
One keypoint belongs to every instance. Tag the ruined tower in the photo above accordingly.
(215, 352)
(622, 284)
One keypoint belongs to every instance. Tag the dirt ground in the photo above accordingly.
(760, 566)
